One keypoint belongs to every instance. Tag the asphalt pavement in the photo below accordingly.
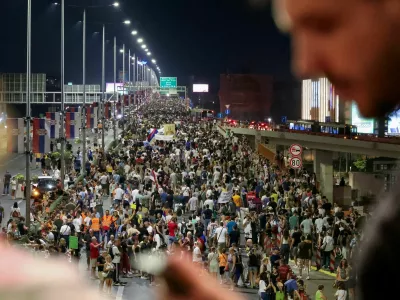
(16, 163)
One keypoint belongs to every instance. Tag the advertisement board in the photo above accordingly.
(364, 125)
(200, 88)
(168, 82)
(394, 123)
(118, 87)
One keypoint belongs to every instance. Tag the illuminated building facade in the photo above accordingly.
(319, 101)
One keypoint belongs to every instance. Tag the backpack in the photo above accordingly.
(184, 229)
(15, 214)
(110, 252)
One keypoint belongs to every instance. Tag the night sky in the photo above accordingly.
(193, 40)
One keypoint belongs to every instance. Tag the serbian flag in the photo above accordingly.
(74, 109)
(107, 110)
(91, 117)
(118, 108)
(154, 174)
(126, 100)
(15, 135)
(152, 135)
(41, 140)
(53, 124)
(72, 125)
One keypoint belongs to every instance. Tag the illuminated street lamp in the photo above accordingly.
(153, 61)
(121, 50)
(143, 46)
(140, 40)
(149, 53)
(127, 22)
(134, 32)
(115, 4)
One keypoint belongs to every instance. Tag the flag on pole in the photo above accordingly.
(72, 125)
(91, 117)
(126, 100)
(107, 110)
(41, 140)
(152, 135)
(15, 135)
(53, 124)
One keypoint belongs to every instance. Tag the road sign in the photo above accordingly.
(296, 150)
(227, 112)
(284, 120)
(168, 82)
(227, 106)
(295, 163)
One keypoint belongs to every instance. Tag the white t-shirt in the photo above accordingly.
(319, 223)
(341, 294)
(220, 233)
(261, 287)
(197, 255)
(119, 194)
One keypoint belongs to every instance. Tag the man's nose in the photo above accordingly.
(306, 62)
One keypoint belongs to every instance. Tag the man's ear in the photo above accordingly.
(281, 16)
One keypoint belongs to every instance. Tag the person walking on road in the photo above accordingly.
(7, 179)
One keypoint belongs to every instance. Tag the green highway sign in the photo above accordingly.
(168, 82)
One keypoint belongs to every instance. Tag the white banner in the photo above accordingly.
(160, 137)
(225, 197)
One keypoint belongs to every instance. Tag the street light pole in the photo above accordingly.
(28, 116)
(103, 88)
(123, 88)
(115, 83)
(84, 96)
(129, 65)
(62, 95)
(130, 84)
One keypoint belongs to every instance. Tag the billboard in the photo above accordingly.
(168, 82)
(364, 125)
(200, 88)
(119, 87)
(394, 123)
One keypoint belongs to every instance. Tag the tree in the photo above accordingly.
(361, 164)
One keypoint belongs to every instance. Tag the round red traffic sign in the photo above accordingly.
(296, 150)
(295, 163)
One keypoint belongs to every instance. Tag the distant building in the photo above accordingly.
(249, 96)
(13, 87)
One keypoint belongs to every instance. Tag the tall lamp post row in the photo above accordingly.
(28, 92)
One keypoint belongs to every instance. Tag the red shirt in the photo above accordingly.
(171, 228)
(283, 271)
(94, 251)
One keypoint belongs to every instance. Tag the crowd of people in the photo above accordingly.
(248, 222)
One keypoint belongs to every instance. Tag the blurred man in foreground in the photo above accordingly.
(355, 43)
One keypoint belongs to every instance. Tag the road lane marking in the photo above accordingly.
(120, 293)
